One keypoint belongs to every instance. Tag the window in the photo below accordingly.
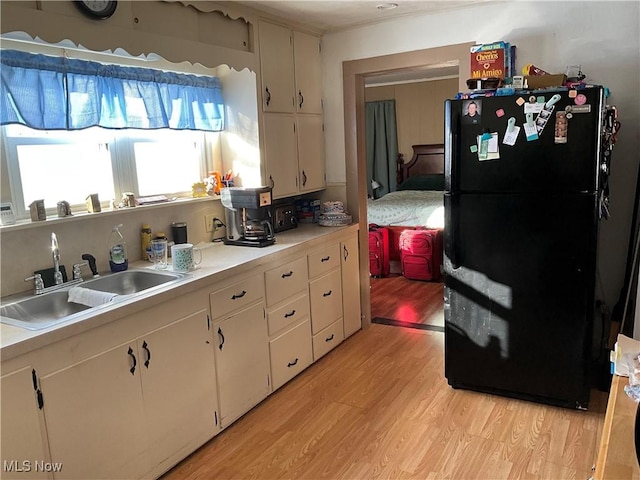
(70, 165)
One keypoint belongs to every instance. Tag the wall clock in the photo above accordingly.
(97, 9)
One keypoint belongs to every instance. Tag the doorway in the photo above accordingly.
(355, 73)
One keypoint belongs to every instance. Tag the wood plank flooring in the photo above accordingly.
(378, 406)
(414, 301)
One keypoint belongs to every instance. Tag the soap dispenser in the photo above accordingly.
(118, 259)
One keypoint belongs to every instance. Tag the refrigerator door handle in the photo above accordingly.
(451, 243)
(450, 147)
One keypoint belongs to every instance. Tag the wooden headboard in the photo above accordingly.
(427, 159)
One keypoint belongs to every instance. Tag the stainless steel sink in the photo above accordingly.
(42, 311)
(131, 281)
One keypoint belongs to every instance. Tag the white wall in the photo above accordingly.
(603, 37)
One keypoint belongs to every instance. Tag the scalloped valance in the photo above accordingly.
(49, 93)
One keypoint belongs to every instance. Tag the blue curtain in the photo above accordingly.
(381, 146)
(53, 93)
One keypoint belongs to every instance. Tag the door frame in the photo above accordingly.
(354, 73)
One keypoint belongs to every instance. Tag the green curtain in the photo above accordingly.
(382, 146)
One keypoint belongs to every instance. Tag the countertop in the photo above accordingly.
(617, 454)
(219, 262)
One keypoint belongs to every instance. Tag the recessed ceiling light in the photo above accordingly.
(387, 6)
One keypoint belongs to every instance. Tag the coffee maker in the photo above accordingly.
(247, 213)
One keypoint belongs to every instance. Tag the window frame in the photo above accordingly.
(119, 144)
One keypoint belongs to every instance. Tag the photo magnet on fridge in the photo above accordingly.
(472, 111)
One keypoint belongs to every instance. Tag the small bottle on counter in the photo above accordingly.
(145, 241)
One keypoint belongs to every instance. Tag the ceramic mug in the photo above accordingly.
(183, 255)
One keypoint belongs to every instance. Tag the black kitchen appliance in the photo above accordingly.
(521, 227)
(285, 217)
(247, 214)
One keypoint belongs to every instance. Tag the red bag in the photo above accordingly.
(421, 254)
(378, 251)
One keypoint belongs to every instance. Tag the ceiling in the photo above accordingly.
(330, 16)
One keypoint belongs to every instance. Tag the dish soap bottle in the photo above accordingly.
(118, 260)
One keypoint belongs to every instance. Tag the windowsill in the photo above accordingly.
(26, 224)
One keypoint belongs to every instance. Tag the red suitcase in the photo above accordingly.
(421, 254)
(378, 251)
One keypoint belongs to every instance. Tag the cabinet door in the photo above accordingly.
(311, 160)
(350, 286)
(308, 69)
(95, 416)
(325, 295)
(178, 381)
(22, 440)
(242, 362)
(281, 155)
(276, 66)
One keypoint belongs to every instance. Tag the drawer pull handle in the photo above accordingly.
(292, 364)
(285, 275)
(239, 295)
(145, 346)
(328, 339)
(290, 314)
(325, 259)
(346, 252)
(326, 294)
(268, 100)
(221, 338)
(135, 362)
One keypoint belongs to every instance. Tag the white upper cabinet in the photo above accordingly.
(308, 71)
(276, 64)
(291, 70)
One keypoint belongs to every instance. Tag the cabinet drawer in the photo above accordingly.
(290, 354)
(236, 296)
(324, 260)
(325, 296)
(285, 281)
(327, 339)
(288, 314)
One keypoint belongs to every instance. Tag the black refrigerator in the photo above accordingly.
(522, 204)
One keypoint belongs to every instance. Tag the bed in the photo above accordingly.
(418, 200)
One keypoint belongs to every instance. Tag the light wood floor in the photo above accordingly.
(397, 298)
(378, 406)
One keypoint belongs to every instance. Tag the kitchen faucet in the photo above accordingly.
(58, 277)
(57, 274)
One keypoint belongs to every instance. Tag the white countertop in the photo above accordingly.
(219, 262)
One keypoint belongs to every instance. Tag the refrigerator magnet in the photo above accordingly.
(562, 125)
(511, 135)
(472, 111)
(530, 129)
(520, 101)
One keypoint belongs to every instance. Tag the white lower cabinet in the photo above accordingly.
(350, 267)
(327, 339)
(290, 353)
(95, 417)
(23, 442)
(136, 409)
(242, 362)
(325, 297)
